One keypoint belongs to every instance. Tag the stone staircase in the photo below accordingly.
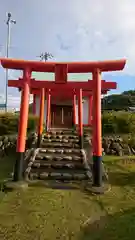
(59, 158)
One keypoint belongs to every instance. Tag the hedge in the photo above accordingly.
(9, 123)
(112, 123)
(118, 122)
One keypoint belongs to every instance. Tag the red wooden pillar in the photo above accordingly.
(41, 116)
(22, 130)
(48, 113)
(97, 141)
(34, 104)
(80, 118)
(74, 111)
(90, 103)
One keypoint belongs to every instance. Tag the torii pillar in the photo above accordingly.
(34, 105)
(90, 106)
(80, 118)
(97, 137)
(74, 110)
(48, 113)
(23, 122)
(41, 116)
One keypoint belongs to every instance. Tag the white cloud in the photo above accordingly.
(75, 30)
(13, 101)
(94, 30)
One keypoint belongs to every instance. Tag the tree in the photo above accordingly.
(119, 101)
(130, 92)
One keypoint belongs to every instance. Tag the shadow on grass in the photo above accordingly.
(119, 226)
(6, 166)
(122, 178)
(119, 174)
(6, 170)
(58, 185)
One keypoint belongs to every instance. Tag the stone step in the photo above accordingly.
(60, 161)
(50, 157)
(58, 176)
(54, 136)
(60, 152)
(59, 168)
(65, 136)
(59, 132)
(59, 145)
(57, 165)
(60, 140)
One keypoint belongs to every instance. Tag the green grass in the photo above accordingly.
(6, 167)
(47, 214)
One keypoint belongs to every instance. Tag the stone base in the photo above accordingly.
(11, 185)
(98, 190)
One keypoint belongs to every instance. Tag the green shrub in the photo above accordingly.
(118, 122)
(9, 123)
(32, 123)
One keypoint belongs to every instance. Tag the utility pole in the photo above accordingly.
(9, 22)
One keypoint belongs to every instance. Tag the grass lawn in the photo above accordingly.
(47, 214)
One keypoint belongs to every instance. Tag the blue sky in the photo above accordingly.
(71, 30)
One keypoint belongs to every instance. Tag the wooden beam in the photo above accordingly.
(70, 86)
(61, 73)
(73, 67)
(67, 94)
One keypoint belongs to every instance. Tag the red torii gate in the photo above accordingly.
(39, 87)
(71, 95)
(61, 97)
(61, 70)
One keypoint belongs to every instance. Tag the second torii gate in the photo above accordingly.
(65, 97)
(51, 89)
